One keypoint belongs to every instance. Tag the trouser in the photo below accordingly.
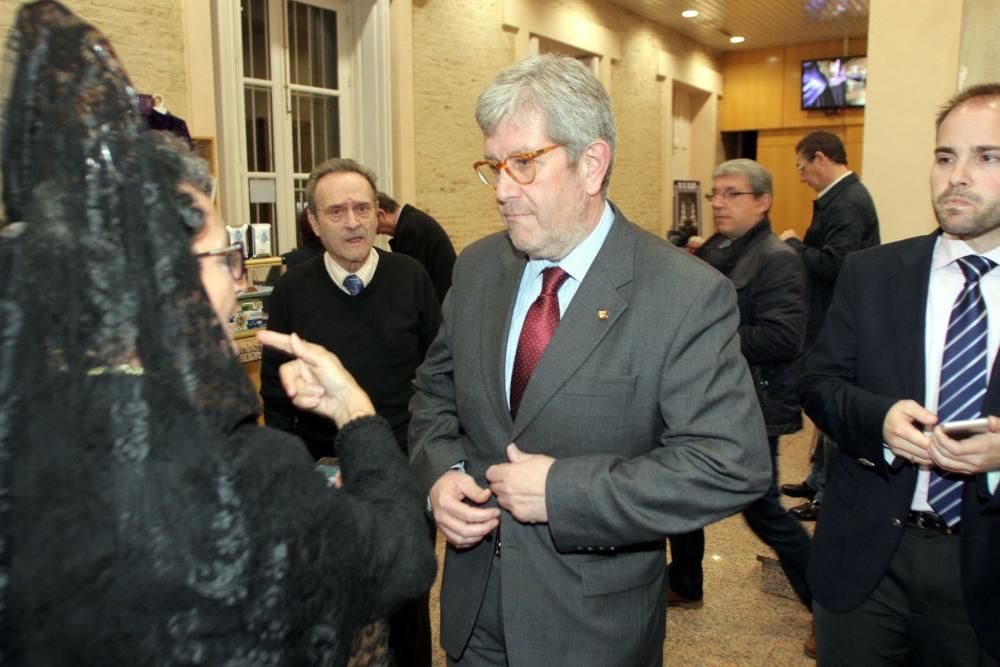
(486, 647)
(916, 616)
(822, 464)
(685, 574)
(410, 628)
(770, 521)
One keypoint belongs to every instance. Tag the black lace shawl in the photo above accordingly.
(144, 518)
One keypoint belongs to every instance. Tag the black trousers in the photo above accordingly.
(410, 628)
(916, 616)
(769, 521)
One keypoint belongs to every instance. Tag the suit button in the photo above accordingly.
(866, 463)
(896, 523)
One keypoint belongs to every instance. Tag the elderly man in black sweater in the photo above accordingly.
(377, 311)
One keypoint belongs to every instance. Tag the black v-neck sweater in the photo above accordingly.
(380, 335)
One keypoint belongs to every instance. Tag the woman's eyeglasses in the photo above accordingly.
(233, 256)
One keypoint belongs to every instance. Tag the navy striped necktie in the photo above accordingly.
(964, 374)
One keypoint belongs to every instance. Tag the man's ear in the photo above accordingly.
(313, 223)
(382, 221)
(596, 160)
(766, 201)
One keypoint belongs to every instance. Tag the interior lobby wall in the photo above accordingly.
(147, 36)
(913, 56)
(460, 45)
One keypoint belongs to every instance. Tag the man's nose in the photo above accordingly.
(506, 187)
(351, 219)
(959, 173)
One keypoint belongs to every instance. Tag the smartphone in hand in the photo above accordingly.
(966, 428)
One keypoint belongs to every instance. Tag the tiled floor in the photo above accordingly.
(739, 624)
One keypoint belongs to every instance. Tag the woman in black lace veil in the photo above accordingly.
(144, 517)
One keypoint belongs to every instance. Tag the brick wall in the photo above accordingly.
(147, 35)
(460, 45)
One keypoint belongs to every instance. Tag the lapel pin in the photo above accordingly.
(602, 314)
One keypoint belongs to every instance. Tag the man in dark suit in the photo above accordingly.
(904, 565)
(844, 221)
(418, 235)
(557, 462)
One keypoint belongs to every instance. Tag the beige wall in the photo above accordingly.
(913, 55)
(460, 45)
(979, 59)
(148, 37)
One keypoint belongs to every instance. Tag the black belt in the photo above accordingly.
(930, 521)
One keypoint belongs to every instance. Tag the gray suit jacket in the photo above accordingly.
(650, 414)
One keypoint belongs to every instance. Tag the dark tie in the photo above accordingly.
(353, 285)
(539, 325)
(963, 377)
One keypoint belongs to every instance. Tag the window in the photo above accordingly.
(291, 101)
(286, 68)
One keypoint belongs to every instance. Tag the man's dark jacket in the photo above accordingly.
(870, 355)
(771, 294)
(844, 220)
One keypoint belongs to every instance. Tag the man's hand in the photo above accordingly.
(977, 454)
(903, 438)
(463, 525)
(789, 234)
(520, 485)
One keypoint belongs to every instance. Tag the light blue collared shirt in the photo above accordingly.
(576, 264)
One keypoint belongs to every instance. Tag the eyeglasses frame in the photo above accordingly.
(236, 247)
(497, 166)
(727, 195)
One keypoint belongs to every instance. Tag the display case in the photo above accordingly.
(253, 303)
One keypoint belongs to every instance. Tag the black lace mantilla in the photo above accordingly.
(145, 519)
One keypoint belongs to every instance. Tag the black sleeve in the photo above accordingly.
(356, 552)
(279, 412)
(430, 312)
(844, 231)
(779, 311)
(829, 390)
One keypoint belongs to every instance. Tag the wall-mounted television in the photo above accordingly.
(834, 83)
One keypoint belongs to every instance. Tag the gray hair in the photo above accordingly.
(573, 106)
(337, 165)
(757, 175)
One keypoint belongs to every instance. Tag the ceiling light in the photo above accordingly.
(689, 13)
(737, 39)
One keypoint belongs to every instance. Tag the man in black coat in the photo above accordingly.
(770, 287)
(898, 577)
(418, 235)
(844, 221)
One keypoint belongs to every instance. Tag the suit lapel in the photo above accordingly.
(582, 328)
(909, 295)
(498, 308)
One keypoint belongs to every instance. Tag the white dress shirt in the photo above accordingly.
(946, 281)
(338, 273)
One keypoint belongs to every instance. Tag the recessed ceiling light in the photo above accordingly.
(737, 39)
(689, 13)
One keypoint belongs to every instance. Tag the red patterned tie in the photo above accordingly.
(539, 325)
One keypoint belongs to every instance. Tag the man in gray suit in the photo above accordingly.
(556, 482)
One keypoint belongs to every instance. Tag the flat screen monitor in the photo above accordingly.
(834, 83)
